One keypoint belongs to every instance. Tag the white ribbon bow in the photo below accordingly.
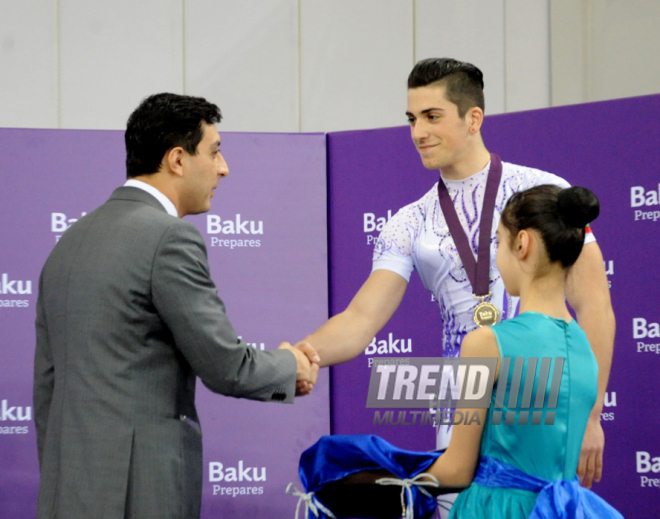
(311, 503)
(406, 488)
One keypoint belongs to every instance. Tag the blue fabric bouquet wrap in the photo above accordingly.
(334, 458)
(406, 488)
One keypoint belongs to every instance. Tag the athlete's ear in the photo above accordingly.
(475, 118)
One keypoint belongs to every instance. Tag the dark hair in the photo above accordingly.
(559, 215)
(162, 122)
(463, 82)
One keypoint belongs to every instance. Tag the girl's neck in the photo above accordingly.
(545, 295)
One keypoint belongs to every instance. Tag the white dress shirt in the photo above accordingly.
(167, 203)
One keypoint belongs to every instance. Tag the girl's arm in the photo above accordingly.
(456, 467)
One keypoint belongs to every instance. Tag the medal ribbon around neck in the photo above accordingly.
(478, 271)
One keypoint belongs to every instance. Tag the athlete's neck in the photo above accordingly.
(472, 162)
(545, 295)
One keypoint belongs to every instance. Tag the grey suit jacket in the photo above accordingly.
(127, 318)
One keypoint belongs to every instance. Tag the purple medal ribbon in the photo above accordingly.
(478, 271)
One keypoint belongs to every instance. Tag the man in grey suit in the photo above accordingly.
(127, 318)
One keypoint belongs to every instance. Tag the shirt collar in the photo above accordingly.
(471, 177)
(166, 202)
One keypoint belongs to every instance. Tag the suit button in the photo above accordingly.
(182, 417)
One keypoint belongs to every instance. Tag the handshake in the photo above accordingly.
(307, 366)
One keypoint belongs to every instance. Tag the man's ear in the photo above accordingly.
(475, 118)
(174, 160)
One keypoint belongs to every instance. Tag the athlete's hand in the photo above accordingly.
(304, 387)
(590, 466)
(307, 366)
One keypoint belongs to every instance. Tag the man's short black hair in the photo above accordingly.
(162, 122)
(463, 82)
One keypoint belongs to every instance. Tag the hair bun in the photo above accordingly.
(577, 206)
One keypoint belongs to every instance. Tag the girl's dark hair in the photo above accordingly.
(559, 215)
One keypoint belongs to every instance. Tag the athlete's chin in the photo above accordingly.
(431, 162)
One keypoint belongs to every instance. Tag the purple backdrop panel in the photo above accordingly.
(610, 147)
(267, 245)
(371, 174)
(50, 178)
(271, 273)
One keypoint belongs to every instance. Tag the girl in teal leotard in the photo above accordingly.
(540, 236)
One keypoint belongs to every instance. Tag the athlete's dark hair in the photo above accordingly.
(559, 215)
(463, 82)
(162, 122)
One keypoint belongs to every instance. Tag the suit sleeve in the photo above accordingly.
(187, 300)
(44, 376)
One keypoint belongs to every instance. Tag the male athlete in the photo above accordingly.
(446, 111)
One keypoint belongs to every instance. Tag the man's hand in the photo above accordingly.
(307, 370)
(590, 466)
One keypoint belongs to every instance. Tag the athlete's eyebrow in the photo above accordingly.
(428, 110)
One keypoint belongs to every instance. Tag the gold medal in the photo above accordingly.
(485, 314)
(477, 270)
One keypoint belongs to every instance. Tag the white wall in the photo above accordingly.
(604, 49)
(243, 56)
(29, 64)
(312, 65)
(355, 58)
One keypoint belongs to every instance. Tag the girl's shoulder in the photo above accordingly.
(481, 342)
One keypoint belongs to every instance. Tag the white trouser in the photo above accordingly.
(445, 501)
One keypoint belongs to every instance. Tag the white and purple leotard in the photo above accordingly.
(417, 237)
